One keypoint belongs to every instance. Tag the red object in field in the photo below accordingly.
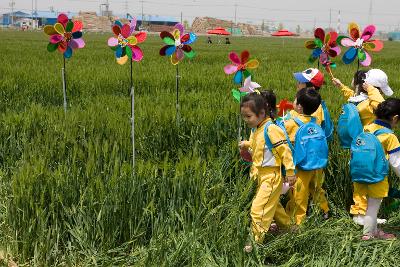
(283, 33)
(219, 31)
(245, 155)
(284, 106)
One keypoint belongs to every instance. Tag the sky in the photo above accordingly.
(306, 13)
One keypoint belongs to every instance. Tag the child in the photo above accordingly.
(387, 116)
(366, 96)
(258, 110)
(314, 79)
(309, 182)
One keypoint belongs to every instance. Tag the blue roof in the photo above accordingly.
(158, 18)
(40, 14)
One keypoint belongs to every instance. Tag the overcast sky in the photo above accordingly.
(306, 13)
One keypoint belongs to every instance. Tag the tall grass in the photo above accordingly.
(68, 195)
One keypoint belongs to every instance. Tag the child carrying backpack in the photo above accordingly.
(310, 155)
(372, 151)
(357, 113)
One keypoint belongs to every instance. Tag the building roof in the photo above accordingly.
(39, 14)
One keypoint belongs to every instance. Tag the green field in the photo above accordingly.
(68, 196)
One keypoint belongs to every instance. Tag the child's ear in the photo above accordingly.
(395, 119)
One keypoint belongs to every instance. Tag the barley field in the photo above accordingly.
(69, 196)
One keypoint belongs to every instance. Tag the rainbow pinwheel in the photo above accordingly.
(240, 66)
(323, 46)
(359, 44)
(177, 44)
(65, 36)
(125, 43)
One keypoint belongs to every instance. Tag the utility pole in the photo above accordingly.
(33, 26)
(181, 17)
(126, 8)
(36, 17)
(12, 4)
(330, 18)
(235, 11)
(142, 1)
(338, 22)
(370, 12)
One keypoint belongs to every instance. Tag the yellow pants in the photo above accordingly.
(360, 201)
(266, 201)
(309, 183)
(378, 190)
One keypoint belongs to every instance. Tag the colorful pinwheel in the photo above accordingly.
(125, 43)
(65, 36)
(284, 106)
(240, 66)
(323, 46)
(248, 87)
(177, 44)
(359, 44)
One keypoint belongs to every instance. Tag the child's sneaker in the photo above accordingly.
(384, 236)
(248, 248)
(326, 216)
(273, 228)
(381, 221)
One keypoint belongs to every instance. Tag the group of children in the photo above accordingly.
(290, 153)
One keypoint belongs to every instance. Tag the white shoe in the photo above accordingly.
(358, 219)
(381, 221)
(248, 248)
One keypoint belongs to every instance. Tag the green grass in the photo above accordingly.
(67, 193)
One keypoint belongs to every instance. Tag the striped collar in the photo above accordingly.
(382, 123)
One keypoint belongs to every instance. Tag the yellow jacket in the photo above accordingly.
(292, 127)
(262, 156)
(318, 115)
(367, 107)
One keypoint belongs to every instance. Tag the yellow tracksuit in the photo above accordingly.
(267, 164)
(366, 110)
(308, 182)
(390, 144)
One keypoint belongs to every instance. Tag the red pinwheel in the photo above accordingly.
(177, 44)
(125, 43)
(323, 46)
(240, 66)
(65, 35)
(284, 106)
(359, 44)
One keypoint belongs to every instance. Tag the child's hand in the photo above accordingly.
(291, 180)
(336, 82)
(365, 86)
(242, 145)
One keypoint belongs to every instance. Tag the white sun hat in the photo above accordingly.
(378, 78)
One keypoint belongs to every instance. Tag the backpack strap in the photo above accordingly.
(268, 142)
(382, 131)
(298, 121)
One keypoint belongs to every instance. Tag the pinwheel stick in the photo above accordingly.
(177, 95)
(240, 117)
(329, 70)
(64, 81)
(132, 93)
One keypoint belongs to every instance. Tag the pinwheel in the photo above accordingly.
(65, 36)
(359, 44)
(324, 48)
(284, 106)
(124, 43)
(248, 87)
(240, 66)
(177, 47)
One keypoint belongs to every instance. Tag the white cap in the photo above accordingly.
(378, 78)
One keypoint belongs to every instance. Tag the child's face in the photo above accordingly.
(394, 121)
(300, 86)
(297, 107)
(251, 118)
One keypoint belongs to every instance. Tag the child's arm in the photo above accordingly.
(394, 160)
(347, 92)
(374, 96)
(245, 144)
(392, 146)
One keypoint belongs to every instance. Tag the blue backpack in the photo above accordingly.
(349, 125)
(327, 124)
(368, 162)
(310, 146)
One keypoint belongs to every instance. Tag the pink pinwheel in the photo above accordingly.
(65, 36)
(177, 44)
(240, 66)
(323, 46)
(360, 44)
(125, 43)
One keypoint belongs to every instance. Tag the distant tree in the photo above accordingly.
(262, 26)
(280, 26)
(186, 24)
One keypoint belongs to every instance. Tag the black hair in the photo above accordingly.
(265, 100)
(358, 80)
(309, 99)
(311, 85)
(388, 109)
